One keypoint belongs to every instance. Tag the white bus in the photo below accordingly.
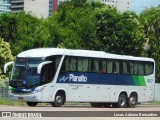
(56, 76)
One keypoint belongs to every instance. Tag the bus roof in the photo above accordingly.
(45, 52)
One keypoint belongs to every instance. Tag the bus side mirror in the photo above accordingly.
(6, 65)
(41, 65)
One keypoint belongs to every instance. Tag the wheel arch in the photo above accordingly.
(123, 92)
(60, 91)
(134, 93)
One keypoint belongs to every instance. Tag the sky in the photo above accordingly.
(139, 5)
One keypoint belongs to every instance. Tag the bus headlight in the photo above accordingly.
(37, 90)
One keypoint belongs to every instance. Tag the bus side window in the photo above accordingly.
(148, 68)
(90, 65)
(93, 65)
(140, 68)
(67, 64)
(125, 68)
(73, 64)
(102, 66)
(135, 68)
(131, 67)
(96, 65)
(109, 66)
(82, 64)
(47, 73)
(116, 67)
(85, 65)
(121, 67)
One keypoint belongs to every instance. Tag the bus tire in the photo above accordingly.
(32, 104)
(122, 101)
(59, 100)
(132, 101)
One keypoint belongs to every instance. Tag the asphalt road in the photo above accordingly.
(70, 112)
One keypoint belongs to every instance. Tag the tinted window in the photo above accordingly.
(100, 65)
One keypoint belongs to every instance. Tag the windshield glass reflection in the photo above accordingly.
(24, 73)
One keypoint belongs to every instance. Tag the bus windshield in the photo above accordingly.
(24, 73)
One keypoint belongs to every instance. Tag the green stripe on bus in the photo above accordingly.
(135, 80)
(142, 81)
(139, 81)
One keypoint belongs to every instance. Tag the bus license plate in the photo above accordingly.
(20, 98)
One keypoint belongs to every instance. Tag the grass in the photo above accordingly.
(154, 103)
(77, 103)
(4, 101)
(20, 103)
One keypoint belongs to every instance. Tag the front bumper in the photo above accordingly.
(35, 97)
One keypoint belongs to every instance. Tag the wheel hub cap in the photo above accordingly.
(59, 99)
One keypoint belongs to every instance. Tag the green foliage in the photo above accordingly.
(9, 102)
(5, 56)
(23, 31)
(8, 27)
(31, 33)
(74, 25)
(150, 18)
(119, 33)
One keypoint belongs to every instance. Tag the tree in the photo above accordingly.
(150, 18)
(31, 33)
(23, 31)
(8, 27)
(73, 25)
(5, 56)
(119, 33)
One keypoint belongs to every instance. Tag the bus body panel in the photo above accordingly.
(89, 86)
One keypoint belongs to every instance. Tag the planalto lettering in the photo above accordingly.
(74, 78)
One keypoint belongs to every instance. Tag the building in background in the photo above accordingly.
(121, 5)
(44, 8)
(17, 6)
(5, 6)
(56, 3)
(39, 8)
(11, 6)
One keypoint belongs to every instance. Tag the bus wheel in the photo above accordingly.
(132, 101)
(96, 104)
(59, 100)
(33, 104)
(122, 101)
